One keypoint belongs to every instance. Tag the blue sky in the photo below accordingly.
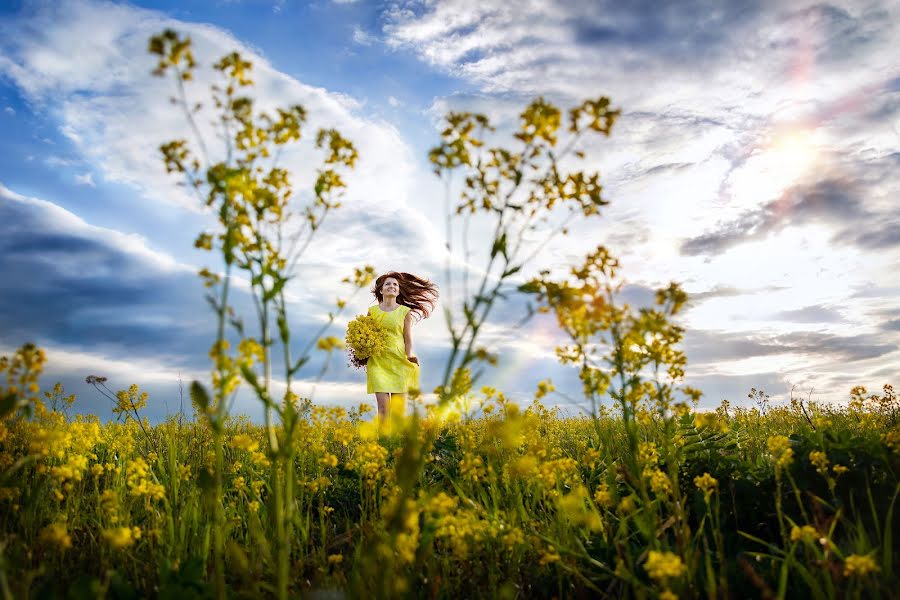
(756, 162)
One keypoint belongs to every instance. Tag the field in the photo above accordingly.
(473, 495)
(791, 501)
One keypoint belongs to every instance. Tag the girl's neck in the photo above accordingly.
(388, 304)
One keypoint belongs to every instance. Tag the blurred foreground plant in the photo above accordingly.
(259, 237)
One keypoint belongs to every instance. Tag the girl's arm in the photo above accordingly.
(407, 338)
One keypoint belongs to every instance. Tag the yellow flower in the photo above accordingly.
(710, 420)
(781, 451)
(806, 533)
(659, 481)
(366, 336)
(627, 505)
(122, 537)
(819, 460)
(329, 460)
(648, 453)
(892, 439)
(335, 559)
(856, 564)
(707, 484)
(253, 507)
(603, 497)
(243, 441)
(370, 459)
(329, 343)
(663, 565)
(668, 595)
(549, 557)
(56, 534)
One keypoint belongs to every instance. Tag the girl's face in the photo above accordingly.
(390, 287)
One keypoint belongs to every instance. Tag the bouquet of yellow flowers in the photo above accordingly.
(365, 338)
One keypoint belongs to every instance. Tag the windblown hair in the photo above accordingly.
(420, 295)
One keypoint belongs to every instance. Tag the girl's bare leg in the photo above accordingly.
(382, 399)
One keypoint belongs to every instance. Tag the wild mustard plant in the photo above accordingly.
(263, 236)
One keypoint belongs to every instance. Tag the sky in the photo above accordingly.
(756, 161)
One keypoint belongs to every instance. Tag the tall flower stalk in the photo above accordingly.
(261, 235)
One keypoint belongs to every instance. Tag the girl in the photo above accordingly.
(402, 299)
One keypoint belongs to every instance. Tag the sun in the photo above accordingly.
(786, 160)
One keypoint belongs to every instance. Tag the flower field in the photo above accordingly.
(791, 501)
(638, 495)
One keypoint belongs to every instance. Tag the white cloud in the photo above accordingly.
(58, 218)
(361, 37)
(85, 179)
(119, 125)
(10, 111)
(725, 109)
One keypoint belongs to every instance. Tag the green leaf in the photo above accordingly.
(199, 396)
(499, 246)
(8, 405)
(276, 288)
(283, 330)
(205, 479)
(299, 364)
(887, 558)
(251, 378)
(511, 271)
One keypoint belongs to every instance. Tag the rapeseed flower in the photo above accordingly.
(861, 565)
(366, 337)
(805, 533)
(820, 461)
(664, 565)
(659, 481)
(707, 484)
(57, 535)
(122, 537)
(603, 497)
(780, 448)
(627, 505)
(370, 459)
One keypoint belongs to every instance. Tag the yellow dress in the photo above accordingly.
(391, 371)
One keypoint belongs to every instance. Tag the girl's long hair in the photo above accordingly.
(420, 295)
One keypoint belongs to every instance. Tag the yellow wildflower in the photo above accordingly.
(781, 451)
(122, 537)
(335, 559)
(659, 481)
(663, 565)
(806, 533)
(861, 565)
(365, 337)
(56, 534)
(819, 460)
(707, 484)
(243, 441)
(603, 497)
(627, 505)
(549, 557)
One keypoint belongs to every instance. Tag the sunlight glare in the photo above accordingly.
(774, 168)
